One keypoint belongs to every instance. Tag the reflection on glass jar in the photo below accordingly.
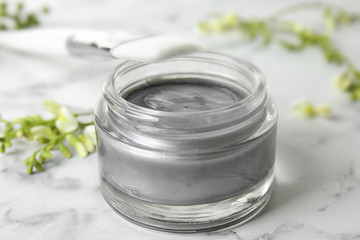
(186, 144)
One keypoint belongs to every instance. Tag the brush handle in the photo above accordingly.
(98, 44)
(85, 43)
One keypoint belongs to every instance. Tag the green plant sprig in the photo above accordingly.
(274, 29)
(19, 19)
(58, 133)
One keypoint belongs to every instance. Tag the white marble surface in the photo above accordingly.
(317, 195)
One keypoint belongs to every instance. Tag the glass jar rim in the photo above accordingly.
(113, 97)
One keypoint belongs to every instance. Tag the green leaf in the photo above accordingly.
(30, 168)
(64, 150)
(45, 10)
(203, 27)
(291, 46)
(19, 18)
(7, 143)
(38, 166)
(88, 145)
(343, 18)
(51, 144)
(42, 139)
(30, 163)
(2, 148)
(41, 159)
(45, 154)
(329, 21)
(3, 9)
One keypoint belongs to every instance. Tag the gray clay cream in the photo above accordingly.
(184, 95)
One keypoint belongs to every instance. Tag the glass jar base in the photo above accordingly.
(193, 218)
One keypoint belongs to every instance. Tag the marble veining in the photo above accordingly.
(317, 189)
(344, 184)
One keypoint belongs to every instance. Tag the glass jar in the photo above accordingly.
(187, 171)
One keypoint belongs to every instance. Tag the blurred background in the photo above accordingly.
(317, 171)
